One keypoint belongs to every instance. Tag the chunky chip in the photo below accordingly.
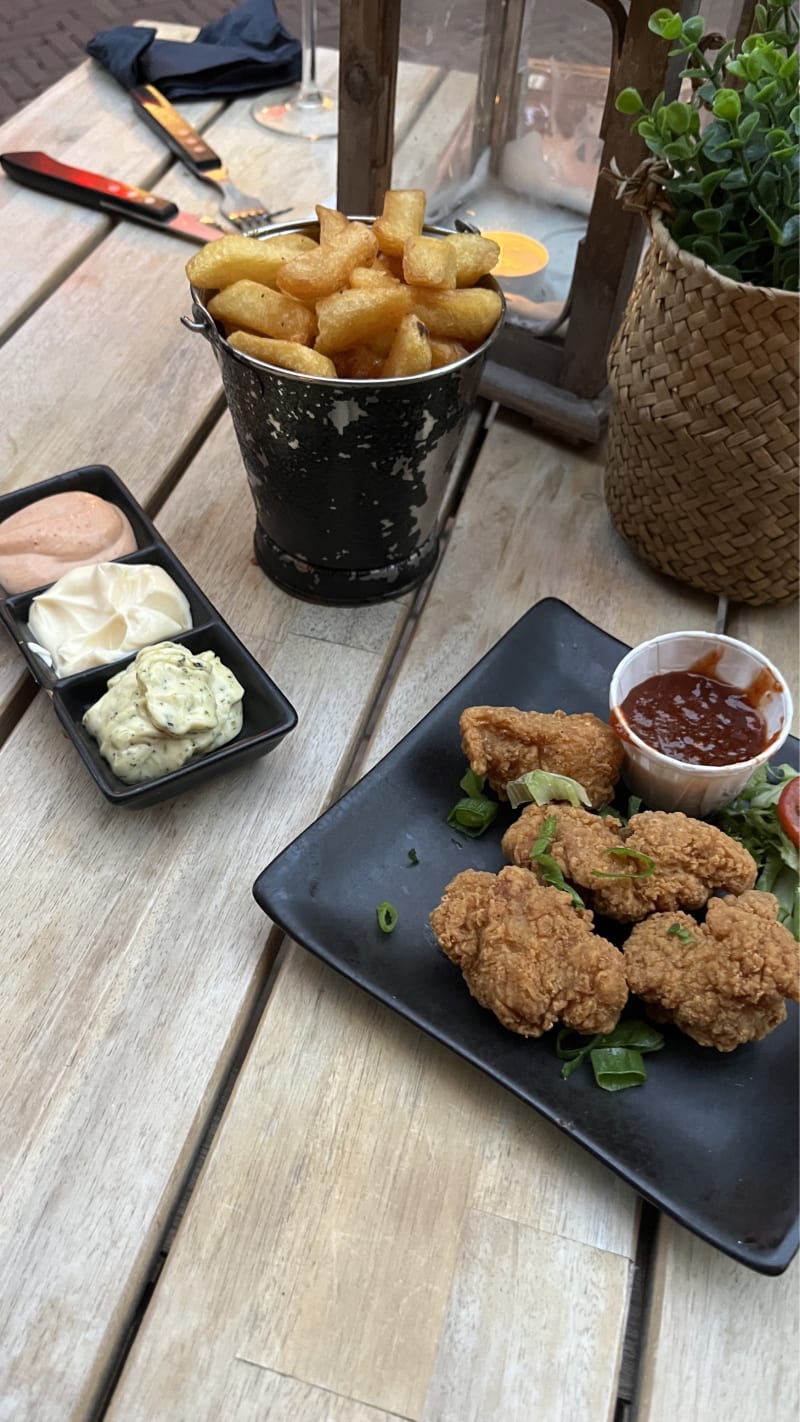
(368, 278)
(467, 315)
(320, 273)
(352, 318)
(289, 355)
(360, 363)
(385, 301)
(446, 353)
(475, 256)
(427, 261)
(248, 305)
(236, 258)
(411, 350)
(402, 217)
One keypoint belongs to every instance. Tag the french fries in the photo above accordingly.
(363, 303)
(253, 307)
(290, 355)
(466, 315)
(402, 217)
(411, 350)
(350, 318)
(429, 262)
(235, 258)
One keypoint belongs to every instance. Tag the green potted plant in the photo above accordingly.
(702, 464)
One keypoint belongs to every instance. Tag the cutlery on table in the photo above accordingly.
(38, 170)
(248, 214)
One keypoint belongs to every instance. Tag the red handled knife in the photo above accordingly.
(37, 170)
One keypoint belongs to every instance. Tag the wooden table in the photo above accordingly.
(236, 1191)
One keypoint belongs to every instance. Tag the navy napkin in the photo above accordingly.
(245, 52)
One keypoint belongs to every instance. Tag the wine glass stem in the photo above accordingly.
(309, 95)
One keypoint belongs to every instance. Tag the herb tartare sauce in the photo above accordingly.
(169, 705)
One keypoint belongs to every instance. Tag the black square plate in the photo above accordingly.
(711, 1138)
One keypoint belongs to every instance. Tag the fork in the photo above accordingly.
(247, 214)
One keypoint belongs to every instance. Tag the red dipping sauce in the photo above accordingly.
(696, 718)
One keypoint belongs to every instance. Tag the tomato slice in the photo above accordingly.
(789, 809)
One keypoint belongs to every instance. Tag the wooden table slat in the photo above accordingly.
(126, 987)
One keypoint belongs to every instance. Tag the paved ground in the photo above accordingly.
(40, 40)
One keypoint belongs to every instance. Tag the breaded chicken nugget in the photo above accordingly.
(503, 743)
(722, 982)
(579, 845)
(528, 955)
(691, 859)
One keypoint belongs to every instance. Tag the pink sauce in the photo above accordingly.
(47, 538)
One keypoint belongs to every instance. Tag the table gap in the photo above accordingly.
(638, 1307)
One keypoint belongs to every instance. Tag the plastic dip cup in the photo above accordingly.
(348, 477)
(665, 783)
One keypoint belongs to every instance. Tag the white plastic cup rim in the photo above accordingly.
(673, 783)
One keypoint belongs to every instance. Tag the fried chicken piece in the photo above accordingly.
(528, 955)
(691, 858)
(725, 987)
(503, 743)
(580, 843)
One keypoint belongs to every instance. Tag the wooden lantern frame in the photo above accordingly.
(556, 376)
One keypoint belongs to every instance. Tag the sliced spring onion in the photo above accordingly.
(472, 784)
(552, 875)
(541, 786)
(544, 838)
(648, 864)
(548, 866)
(634, 805)
(638, 1035)
(387, 917)
(675, 931)
(573, 1056)
(616, 1068)
(617, 1052)
(413, 856)
(473, 815)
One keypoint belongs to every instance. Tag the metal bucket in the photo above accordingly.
(347, 476)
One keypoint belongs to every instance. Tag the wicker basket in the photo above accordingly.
(702, 471)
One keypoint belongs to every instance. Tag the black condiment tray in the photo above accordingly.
(268, 715)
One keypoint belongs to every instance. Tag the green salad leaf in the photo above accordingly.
(752, 819)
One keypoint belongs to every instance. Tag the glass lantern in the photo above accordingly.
(503, 110)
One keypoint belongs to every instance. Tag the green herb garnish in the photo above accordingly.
(752, 819)
(675, 931)
(647, 864)
(616, 1056)
(473, 816)
(542, 786)
(548, 866)
(472, 784)
(387, 917)
(412, 854)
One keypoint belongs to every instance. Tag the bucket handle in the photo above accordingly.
(200, 322)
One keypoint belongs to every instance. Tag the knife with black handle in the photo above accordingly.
(47, 175)
(178, 134)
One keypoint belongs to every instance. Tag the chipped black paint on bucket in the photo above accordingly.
(347, 477)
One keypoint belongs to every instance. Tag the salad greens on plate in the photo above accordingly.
(755, 820)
